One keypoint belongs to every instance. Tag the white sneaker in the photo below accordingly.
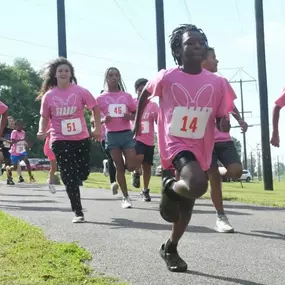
(51, 187)
(223, 225)
(105, 167)
(115, 188)
(126, 203)
(77, 220)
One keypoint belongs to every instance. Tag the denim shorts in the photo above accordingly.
(18, 158)
(121, 139)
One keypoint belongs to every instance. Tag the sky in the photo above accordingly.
(122, 33)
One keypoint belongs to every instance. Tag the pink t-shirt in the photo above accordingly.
(149, 117)
(189, 105)
(19, 147)
(65, 110)
(221, 136)
(281, 100)
(115, 105)
(3, 108)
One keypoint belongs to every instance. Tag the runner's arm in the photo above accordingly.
(3, 122)
(143, 100)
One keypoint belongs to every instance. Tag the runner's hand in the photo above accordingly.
(243, 126)
(275, 141)
(96, 135)
(41, 135)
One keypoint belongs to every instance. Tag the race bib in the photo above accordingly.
(189, 123)
(20, 147)
(117, 110)
(145, 127)
(71, 127)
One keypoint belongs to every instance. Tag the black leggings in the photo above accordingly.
(73, 160)
(112, 168)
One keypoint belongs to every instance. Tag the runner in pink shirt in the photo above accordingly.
(62, 104)
(118, 108)
(279, 104)
(18, 151)
(192, 101)
(224, 151)
(145, 143)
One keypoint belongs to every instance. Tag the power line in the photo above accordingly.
(188, 11)
(128, 19)
(73, 52)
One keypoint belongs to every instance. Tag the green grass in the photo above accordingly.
(252, 193)
(27, 257)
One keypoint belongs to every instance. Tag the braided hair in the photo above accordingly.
(176, 39)
(121, 84)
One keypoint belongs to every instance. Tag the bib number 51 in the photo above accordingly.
(71, 127)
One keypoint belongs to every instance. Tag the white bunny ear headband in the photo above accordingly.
(188, 99)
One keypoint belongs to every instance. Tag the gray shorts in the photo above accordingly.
(120, 139)
(226, 153)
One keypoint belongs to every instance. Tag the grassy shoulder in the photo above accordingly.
(251, 193)
(28, 258)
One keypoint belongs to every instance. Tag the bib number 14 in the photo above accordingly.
(189, 123)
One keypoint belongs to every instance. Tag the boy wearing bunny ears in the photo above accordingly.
(191, 101)
(224, 151)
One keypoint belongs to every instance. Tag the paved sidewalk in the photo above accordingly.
(125, 243)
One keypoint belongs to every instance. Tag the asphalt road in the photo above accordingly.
(125, 243)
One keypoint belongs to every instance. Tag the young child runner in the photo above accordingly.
(63, 105)
(108, 164)
(6, 146)
(279, 104)
(191, 101)
(224, 151)
(118, 108)
(53, 166)
(145, 143)
(18, 152)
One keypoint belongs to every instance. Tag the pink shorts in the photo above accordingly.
(47, 149)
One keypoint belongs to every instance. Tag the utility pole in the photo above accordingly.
(242, 116)
(259, 174)
(251, 165)
(263, 97)
(61, 29)
(160, 35)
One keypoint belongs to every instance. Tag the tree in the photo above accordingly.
(237, 145)
(279, 168)
(19, 85)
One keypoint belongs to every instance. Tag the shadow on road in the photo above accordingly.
(125, 223)
(35, 209)
(222, 278)
(246, 207)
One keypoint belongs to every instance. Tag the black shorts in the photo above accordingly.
(226, 153)
(146, 150)
(183, 158)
